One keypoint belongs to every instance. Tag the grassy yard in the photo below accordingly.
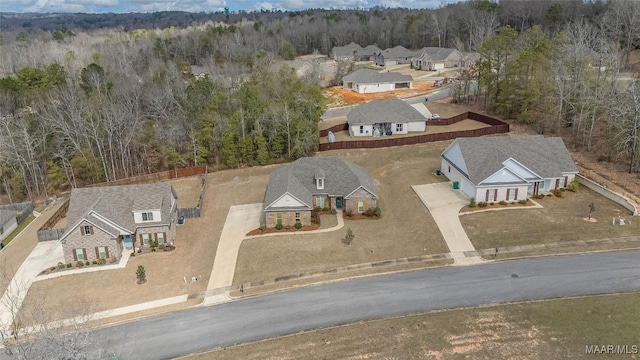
(405, 229)
(188, 190)
(17, 230)
(196, 243)
(561, 219)
(555, 329)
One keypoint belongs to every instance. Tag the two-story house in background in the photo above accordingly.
(102, 222)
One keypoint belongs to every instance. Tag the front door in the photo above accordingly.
(536, 187)
(339, 203)
(127, 242)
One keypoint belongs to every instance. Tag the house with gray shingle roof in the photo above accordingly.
(435, 58)
(102, 222)
(7, 223)
(394, 56)
(508, 168)
(354, 52)
(385, 117)
(365, 81)
(297, 188)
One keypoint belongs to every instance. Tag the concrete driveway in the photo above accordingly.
(240, 220)
(444, 204)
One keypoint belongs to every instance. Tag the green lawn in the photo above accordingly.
(561, 219)
(554, 329)
(17, 230)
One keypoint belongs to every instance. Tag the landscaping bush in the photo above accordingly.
(524, 201)
(377, 212)
(139, 251)
(95, 262)
(503, 202)
(87, 263)
(60, 265)
(278, 226)
(492, 203)
(79, 264)
(133, 253)
(52, 268)
(102, 261)
(153, 249)
(472, 203)
(298, 225)
(482, 204)
(325, 209)
(287, 227)
(349, 213)
(69, 265)
(161, 246)
(549, 194)
(557, 193)
(369, 212)
(113, 260)
(141, 275)
(574, 185)
(349, 237)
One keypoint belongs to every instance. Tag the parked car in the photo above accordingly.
(435, 117)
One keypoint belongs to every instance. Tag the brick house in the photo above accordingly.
(105, 221)
(331, 182)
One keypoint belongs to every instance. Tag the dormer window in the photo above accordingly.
(320, 183)
(319, 176)
(147, 216)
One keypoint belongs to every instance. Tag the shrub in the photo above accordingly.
(60, 265)
(133, 253)
(349, 213)
(349, 237)
(513, 202)
(113, 260)
(102, 261)
(492, 203)
(52, 268)
(153, 249)
(523, 201)
(482, 204)
(95, 262)
(574, 185)
(298, 225)
(377, 212)
(325, 209)
(69, 265)
(87, 263)
(161, 246)
(287, 227)
(557, 193)
(278, 226)
(139, 251)
(549, 195)
(503, 202)
(369, 212)
(472, 203)
(79, 264)
(141, 275)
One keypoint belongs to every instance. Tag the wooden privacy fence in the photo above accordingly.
(51, 234)
(497, 127)
(190, 213)
(156, 177)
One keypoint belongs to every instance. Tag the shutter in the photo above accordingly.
(486, 198)
(508, 192)
(314, 201)
(75, 256)
(141, 241)
(515, 196)
(106, 251)
(84, 252)
(364, 206)
(91, 229)
(495, 195)
(164, 237)
(302, 218)
(566, 179)
(274, 218)
(97, 253)
(155, 237)
(81, 230)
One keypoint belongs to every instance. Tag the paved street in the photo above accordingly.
(370, 298)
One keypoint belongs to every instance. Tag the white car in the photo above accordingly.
(435, 117)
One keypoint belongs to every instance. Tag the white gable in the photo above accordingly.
(519, 169)
(286, 201)
(454, 155)
(503, 175)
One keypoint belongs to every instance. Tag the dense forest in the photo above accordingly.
(83, 106)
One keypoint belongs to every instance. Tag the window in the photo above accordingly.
(79, 254)
(297, 217)
(512, 194)
(492, 195)
(398, 127)
(361, 129)
(102, 252)
(160, 237)
(279, 218)
(147, 216)
(86, 230)
(320, 201)
(320, 183)
(145, 239)
(360, 206)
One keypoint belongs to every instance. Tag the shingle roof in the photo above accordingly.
(369, 50)
(117, 203)
(347, 50)
(380, 111)
(436, 53)
(6, 215)
(398, 52)
(297, 179)
(547, 157)
(368, 76)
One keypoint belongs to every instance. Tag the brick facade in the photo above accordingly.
(288, 218)
(351, 204)
(153, 235)
(77, 240)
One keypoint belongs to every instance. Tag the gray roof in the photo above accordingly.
(297, 178)
(6, 215)
(369, 50)
(547, 157)
(368, 76)
(436, 53)
(399, 52)
(347, 50)
(381, 111)
(117, 204)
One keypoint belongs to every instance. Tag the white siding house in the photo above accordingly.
(7, 223)
(366, 81)
(385, 117)
(510, 168)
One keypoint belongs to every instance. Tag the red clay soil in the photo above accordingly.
(352, 97)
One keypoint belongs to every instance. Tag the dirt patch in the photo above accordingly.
(337, 96)
(188, 190)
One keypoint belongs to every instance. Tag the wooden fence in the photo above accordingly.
(50, 234)
(156, 177)
(497, 127)
(59, 214)
(190, 213)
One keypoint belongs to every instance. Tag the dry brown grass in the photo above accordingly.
(188, 190)
(405, 229)
(196, 244)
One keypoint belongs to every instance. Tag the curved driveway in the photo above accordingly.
(368, 298)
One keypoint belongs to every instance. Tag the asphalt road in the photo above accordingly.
(370, 298)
